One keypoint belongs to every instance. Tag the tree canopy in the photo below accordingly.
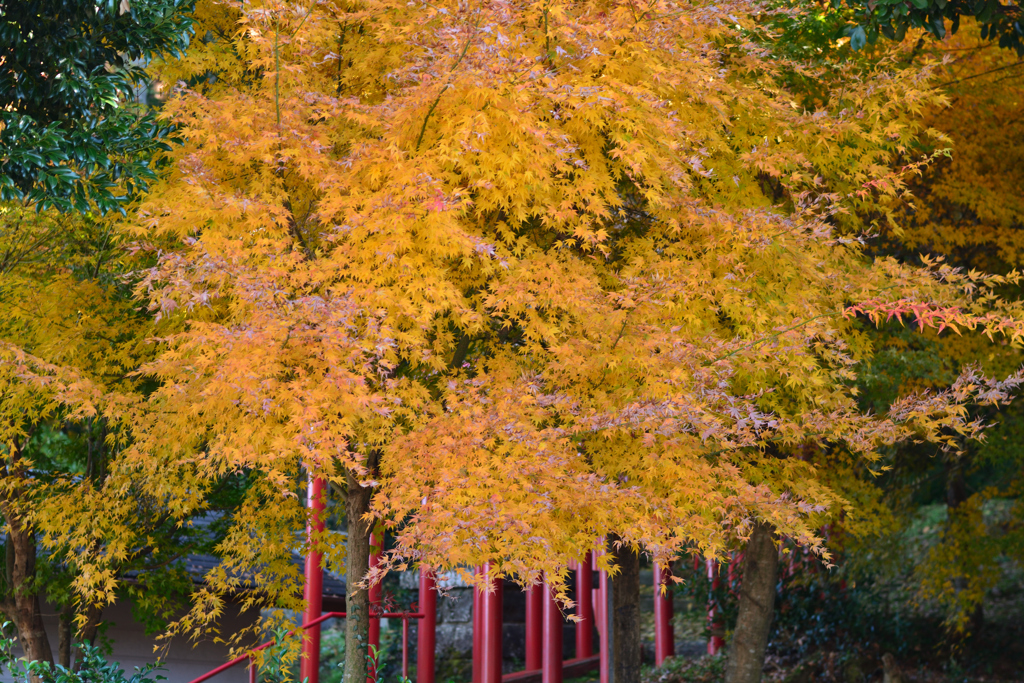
(637, 254)
(522, 275)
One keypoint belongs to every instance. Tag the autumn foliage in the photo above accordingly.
(563, 269)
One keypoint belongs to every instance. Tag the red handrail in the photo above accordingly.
(404, 616)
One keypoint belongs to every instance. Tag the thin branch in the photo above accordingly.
(983, 73)
(465, 49)
(277, 73)
(430, 111)
(622, 329)
(770, 337)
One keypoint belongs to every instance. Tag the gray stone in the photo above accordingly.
(454, 637)
(447, 580)
(456, 607)
(409, 581)
(691, 649)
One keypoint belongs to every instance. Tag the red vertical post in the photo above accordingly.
(534, 626)
(551, 659)
(716, 642)
(405, 647)
(605, 621)
(478, 633)
(426, 630)
(664, 638)
(313, 591)
(490, 665)
(584, 608)
(252, 671)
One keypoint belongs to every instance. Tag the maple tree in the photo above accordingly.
(962, 209)
(68, 319)
(517, 277)
(968, 207)
(968, 210)
(907, 361)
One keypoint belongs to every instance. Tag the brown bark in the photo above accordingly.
(357, 600)
(756, 605)
(21, 604)
(956, 486)
(626, 614)
(64, 637)
(93, 620)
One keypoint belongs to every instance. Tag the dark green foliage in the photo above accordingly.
(834, 624)
(90, 668)
(70, 137)
(893, 18)
(280, 664)
(707, 669)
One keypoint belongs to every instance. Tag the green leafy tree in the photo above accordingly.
(69, 135)
(1002, 21)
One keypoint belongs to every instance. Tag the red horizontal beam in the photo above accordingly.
(571, 668)
(329, 615)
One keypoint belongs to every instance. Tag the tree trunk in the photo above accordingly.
(357, 600)
(757, 602)
(956, 485)
(93, 621)
(64, 637)
(626, 614)
(22, 604)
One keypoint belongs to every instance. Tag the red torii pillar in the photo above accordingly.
(716, 642)
(544, 623)
(585, 607)
(313, 590)
(426, 630)
(478, 631)
(664, 638)
(595, 601)
(487, 608)
(551, 655)
(493, 604)
(534, 627)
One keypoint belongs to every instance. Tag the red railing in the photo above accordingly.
(404, 616)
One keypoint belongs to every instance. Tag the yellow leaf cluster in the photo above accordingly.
(571, 268)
